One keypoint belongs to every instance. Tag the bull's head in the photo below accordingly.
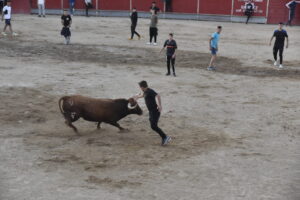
(134, 107)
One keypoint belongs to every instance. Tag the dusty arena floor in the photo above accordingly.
(235, 131)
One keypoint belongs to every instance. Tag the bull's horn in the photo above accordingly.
(132, 107)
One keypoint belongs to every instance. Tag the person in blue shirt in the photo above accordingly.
(292, 10)
(72, 6)
(213, 47)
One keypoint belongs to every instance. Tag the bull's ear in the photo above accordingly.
(131, 100)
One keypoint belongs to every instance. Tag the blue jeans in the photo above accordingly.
(72, 5)
(214, 51)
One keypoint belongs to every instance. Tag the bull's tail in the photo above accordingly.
(60, 101)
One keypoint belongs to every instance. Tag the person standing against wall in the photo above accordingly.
(154, 7)
(292, 11)
(1, 6)
(214, 47)
(168, 5)
(153, 28)
(41, 7)
(72, 7)
(88, 5)
(134, 20)
(249, 10)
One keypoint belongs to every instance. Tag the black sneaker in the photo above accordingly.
(166, 141)
(174, 74)
(168, 74)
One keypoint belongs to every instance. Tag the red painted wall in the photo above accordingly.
(144, 5)
(114, 4)
(279, 13)
(187, 6)
(277, 10)
(216, 7)
(20, 6)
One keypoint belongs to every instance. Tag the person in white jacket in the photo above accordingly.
(88, 5)
(41, 7)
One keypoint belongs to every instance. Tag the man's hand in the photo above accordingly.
(287, 46)
(161, 50)
(210, 48)
(159, 108)
(173, 56)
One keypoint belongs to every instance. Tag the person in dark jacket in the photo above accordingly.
(66, 22)
(155, 8)
(171, 47)
(134, 20)
(292, 10)
(168, 5)
(281, 35)
(249, 10)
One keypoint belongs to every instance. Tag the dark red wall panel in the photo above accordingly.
(144, 5)
(50, 4)
(216, 7)
(187, 6)
(278, 12)
(114, 4)
(20, 6)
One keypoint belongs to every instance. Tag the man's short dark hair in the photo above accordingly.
(143, 84)
(281, 23)
(153, 2)
(171, 34)
(219, 27)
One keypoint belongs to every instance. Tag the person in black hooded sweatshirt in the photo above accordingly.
(134, 20)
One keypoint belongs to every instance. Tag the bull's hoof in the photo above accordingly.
(125, 130)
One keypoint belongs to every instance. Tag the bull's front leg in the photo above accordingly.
(117, 125)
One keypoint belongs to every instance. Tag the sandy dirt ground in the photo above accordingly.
(235, 131)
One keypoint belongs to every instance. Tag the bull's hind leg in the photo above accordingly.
(69, 123)
(71, 117)
(98, 126)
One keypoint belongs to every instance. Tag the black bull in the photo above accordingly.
(109, 111)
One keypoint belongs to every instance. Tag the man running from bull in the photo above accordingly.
(153, 103)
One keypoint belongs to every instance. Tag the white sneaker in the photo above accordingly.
(280, 67)
(148, 43)
(275, 63)
(155, 44)
(3, 33)
(15, 34)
